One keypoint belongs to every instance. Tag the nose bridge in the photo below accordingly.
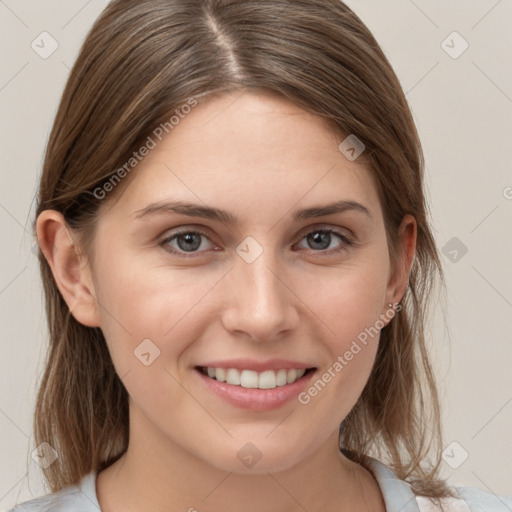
(262, 306)
(263, 289)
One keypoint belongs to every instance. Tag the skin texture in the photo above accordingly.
(261, 158)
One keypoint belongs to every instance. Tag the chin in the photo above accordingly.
(255, 458)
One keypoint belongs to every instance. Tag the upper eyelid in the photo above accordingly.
(203, 230)
(327, 227)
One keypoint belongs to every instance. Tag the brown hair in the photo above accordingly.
(141, 60)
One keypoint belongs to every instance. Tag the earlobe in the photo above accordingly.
(69, 267)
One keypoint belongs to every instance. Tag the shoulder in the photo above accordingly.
(65, 500)
(398, 495)
(470, 499)
(75, 498)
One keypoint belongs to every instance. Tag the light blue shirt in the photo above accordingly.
(397, 494)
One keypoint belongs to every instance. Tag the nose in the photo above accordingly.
(260, 303)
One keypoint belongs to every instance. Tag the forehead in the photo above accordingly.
(249, 149)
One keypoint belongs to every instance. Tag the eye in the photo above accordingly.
(320, 240)
(186, 241)
(193, 242)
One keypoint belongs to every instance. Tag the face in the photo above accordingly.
(240, 327)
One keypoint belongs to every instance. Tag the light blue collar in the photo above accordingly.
(398, 495)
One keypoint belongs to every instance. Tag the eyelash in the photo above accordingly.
(347, 242)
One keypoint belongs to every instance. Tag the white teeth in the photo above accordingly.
(233, 377)
(248, 379)
(281, 378)
(268, 379)
(291, 376)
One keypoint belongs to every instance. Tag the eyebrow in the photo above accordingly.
(207, 212)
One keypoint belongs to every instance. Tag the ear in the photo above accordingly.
(399, 275)
(69, 267)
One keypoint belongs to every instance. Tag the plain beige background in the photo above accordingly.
(462, 102)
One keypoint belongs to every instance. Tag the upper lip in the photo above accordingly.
(257, 366)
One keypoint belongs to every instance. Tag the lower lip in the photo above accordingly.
(253, 398)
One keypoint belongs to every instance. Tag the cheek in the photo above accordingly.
(350, 299)
(139, 302)
(146, 321)
(349, 307)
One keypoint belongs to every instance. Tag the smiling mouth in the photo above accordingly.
(268, 379)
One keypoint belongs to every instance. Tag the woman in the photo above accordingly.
(237, 258)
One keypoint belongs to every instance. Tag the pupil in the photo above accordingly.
(189, 239)
(320, 237)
